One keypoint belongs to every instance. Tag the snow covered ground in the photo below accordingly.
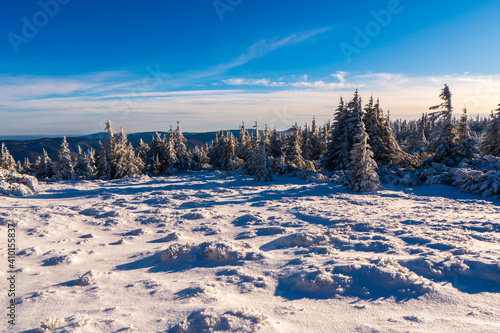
(213, 252)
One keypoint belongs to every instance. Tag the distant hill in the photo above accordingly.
(34, 148)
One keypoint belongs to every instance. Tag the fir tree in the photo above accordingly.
(244, 142)
(155, 158)
(490, 139)
(262, 168)
(293, 151)
(275, 144)
(372, 120)
(63, 165)
(45, 166)
(444, 147)
(85, 167)
(105, 161)
(342, 134)
(6, 160)
(362, 176)
(182, 162)
(142, 150)
(467, 147)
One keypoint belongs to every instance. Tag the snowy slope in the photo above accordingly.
(211, 252)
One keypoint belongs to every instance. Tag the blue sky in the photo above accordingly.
(67, 65)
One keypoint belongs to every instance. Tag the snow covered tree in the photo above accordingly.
(63, 165)
(44, 166)
(444, 147)
(142, 150)
(275, 144)
(317, 143)
(372, 119)
(28, 167)
(199, 158)
(490, 139)
(105, 159)
(467, 144)
(182, 156)
(417, 140)
(342, 134)
(155, 159)
(6, 160)
(244, 143)
(85, 164)
(126, 162)
(169, 155)
(362, 176)
(262, 168)
(293, 151)
(394, 155)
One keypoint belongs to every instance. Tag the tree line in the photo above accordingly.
(360, 142)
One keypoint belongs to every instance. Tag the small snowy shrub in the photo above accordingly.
(13, 183)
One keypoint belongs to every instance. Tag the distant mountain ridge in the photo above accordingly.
(34, 148)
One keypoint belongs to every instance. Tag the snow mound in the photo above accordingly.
(215, 252)
(466, 275)
(304, 239)
(248, 219)
(205, 321)
(379, 278)
(193, 216)
(58, 260)
(13, 183)
(206, 292)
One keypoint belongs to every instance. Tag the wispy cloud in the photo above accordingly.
(264, 47)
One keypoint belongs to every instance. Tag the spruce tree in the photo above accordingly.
(106, 164)
(362, 176)
(262, 168)
(155, 158)
(63, 165)
(182, 155)
(444, 147)
(293, 151)
(45, 167)
(490, 139)
(467, 146)
(6, 160)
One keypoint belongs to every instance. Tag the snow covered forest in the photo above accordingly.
(360, 149)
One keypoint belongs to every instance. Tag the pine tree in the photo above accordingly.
(490, 139)
(362, 176)
(467, 147)
(85, 167)
(63, 165)
(28, 167)
(372, 119)
(199, 158)
(45, 167)
(293, 151)
(155, 159)
(317, 143)
(244, 141)
(170, 154)
(444, 147)
(275, 144)
(342, 134)
(6, 160)
(106, 166)
(142, 150)
(182, 163)
(262, 168)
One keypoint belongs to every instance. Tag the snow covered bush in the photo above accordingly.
(13, 183)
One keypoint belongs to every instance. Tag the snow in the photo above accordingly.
(208, 251)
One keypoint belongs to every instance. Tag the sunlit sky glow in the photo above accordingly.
(65, 69)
